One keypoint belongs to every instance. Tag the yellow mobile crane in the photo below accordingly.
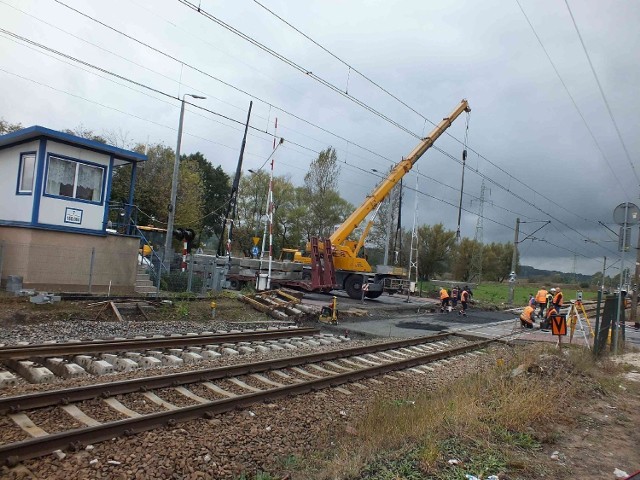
(351, 269)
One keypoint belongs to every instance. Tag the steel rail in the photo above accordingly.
(21, 352)
(15, 452)
(76, 394)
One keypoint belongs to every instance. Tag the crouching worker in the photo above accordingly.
(526, 317)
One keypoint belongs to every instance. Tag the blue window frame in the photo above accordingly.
(26, 173)
(74, 179)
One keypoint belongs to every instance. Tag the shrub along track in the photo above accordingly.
(322, 370)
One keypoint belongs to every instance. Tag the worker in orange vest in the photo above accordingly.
(527, 316)
(541, 298)
(464, 300)
(444, 300)
(557, 298)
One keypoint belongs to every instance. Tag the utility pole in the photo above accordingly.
(514, 258)
(231, 211)
(633, 317)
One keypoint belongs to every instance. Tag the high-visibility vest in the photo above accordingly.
(464, 296)
(557, 300)
(541, 296)
(526, 314)
(551, 311)
(443, 294)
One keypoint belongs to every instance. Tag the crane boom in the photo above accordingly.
(400, 170)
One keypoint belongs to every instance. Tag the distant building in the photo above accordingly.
(54, 207)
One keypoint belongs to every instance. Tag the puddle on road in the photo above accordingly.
(421, 326)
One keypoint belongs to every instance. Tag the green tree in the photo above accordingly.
(462, 255)
(216, 187)
(496, 261)
(435, 247)
(6, 127)
(325, 206)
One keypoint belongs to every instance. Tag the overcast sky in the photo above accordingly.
(526, 136)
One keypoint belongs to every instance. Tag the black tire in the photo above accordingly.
(373, 294)
(353, 286)
(234, 284)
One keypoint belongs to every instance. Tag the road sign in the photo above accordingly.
(256, 240)
(255, 251)
(558, 325)
(632, 214)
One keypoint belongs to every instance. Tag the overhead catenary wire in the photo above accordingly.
(476, 171)
(195, 106)
(336, 89)
(604, 97)
(395, 97)
(573, 100)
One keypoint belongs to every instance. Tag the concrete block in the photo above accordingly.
(64, 369)
(235, 331)
(262, 349)
(324, 341)
(125, 364)
(172, 360)
(229, 351)
(7, 379)
(34, 373)
(191, 357)
(312, 343)
(191, 334)
(275, 347)
(246, 350)
(157, 336)
(110, 358)
(288, 346)
(175, 335)
(175, 351)
(149, 362)
(135, 356)
(209, 354)
(194, 349)
(300, 344)
(212, 347)
(221, 332)
(100, 367)
(83, 360)
(155, 354)
(207, 333)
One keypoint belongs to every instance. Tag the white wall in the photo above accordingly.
(13, 207)
(52, 210)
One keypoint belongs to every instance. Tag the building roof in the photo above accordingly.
(37, 131)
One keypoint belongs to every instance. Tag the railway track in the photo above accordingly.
(235, 387)
(41, 363)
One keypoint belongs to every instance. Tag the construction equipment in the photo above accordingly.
(351, 267)
(329, 313)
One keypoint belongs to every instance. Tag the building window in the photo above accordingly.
(27, 168)
(68, 178)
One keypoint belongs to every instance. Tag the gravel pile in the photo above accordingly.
(265, 437)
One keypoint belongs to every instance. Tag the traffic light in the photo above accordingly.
(185, 234)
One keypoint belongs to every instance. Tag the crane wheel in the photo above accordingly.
(353, 287)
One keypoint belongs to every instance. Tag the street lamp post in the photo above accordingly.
(166, 257)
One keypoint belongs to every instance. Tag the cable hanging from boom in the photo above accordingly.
(464, 161)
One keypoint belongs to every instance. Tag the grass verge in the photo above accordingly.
(490, 422)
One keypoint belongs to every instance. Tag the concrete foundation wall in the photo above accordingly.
(61, 261)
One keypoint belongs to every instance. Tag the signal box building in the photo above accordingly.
(54, 207)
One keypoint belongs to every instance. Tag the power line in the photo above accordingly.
(604, 98)
(246, 37)
(464, 143)
(236, 121)
(331, 86)
(573, 101)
